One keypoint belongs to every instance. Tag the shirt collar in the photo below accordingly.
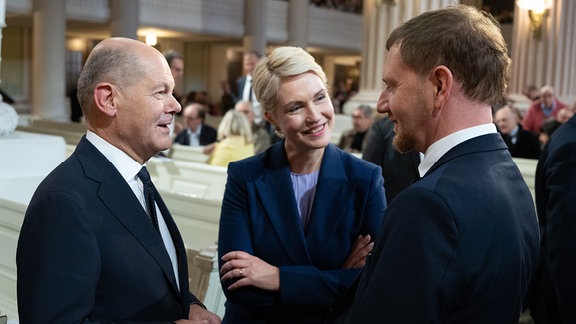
(196, 132)
(127, 166)
(443, 145)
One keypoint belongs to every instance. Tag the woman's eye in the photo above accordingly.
(294, 108)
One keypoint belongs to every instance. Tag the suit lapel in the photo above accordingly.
(277, 197)
(333, 195)
(117, 195)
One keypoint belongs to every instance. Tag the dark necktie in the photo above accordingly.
(149, 195)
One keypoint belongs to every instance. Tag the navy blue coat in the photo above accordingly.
(554, 297)
(260, 216)
(87, 251)
(460, 245)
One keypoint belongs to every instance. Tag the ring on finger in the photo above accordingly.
(240, 272)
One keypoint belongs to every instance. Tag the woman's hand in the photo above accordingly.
(361, 249)
(249, 271)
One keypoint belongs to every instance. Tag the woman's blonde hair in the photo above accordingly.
(235, 123)
(281, 63)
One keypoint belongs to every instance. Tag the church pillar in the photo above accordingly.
(380, 18)
(124, 18)
(255, 24)
(48, 60)
(298, 23)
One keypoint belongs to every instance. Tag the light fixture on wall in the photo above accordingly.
(151, 39)
(537, 10)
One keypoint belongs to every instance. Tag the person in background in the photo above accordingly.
(521, 143)
(235, 140)
(261, 136)
(548, 127)
(531, 92)
(245, 85)
(553, 299)
(399, 170)
(176, 63)
(353, 140)
(459, 245)
(196, 133)
(542, 110)
(92, 247)
(298, 220)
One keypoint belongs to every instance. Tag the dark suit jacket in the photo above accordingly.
(399, 170)
(87, 251)
(208, 135)
(240, 83)
(347, 139)
(527, 145)
(554, 297)
(260, 216)
(460, 245)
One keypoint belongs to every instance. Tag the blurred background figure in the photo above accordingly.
(542, 110)
(531, 92)
(261, 136)
(521, 143)
(196, 132)
(245, 89)
(235, 140)
(399, 170)
(353, 140)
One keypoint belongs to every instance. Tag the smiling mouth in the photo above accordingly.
(316, 130)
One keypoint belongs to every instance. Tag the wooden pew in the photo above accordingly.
(70, 137)
(10, 223)
(188, 153)
(188, 178)
(198, 219)
(204, 278)
(66, 126)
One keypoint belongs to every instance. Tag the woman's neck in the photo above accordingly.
(305, 162)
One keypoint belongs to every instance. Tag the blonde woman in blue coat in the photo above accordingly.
(299, 219)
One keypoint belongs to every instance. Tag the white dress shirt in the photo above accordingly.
(443, 145)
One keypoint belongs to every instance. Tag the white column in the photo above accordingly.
(298, 23)
(381, 17)
(124, 18)
(549, 60)
(2, 25)
(255, 24)
(48, 60)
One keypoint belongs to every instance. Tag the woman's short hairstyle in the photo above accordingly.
(283, 62)
(235, 123)
(466, 40)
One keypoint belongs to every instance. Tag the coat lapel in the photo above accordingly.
(277, 197)
(330, 203)
(333, 195)
(117, 195)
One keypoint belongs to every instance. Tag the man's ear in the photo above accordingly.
(105, 96)
(442, 80)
